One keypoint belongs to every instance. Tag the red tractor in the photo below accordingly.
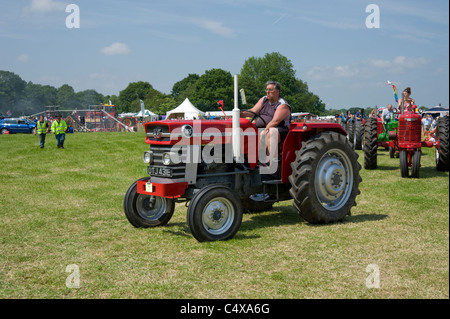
(406, 138)
(213, 166)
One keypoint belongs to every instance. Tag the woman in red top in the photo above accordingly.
(407, 101)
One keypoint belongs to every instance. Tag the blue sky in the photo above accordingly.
(343, 61)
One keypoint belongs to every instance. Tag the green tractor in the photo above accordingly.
(379, 135)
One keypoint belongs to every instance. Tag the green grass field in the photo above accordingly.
(64, 207)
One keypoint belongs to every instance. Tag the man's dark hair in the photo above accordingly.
(276, 84)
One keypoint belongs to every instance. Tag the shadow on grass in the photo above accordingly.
(424, 172)
(184, 231)
(431, 172)
(388, 168)
(282, 216)
(279, 216)
(355, 219)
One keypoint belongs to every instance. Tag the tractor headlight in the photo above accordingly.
(166, 159)
(148, 157)
(187, 131)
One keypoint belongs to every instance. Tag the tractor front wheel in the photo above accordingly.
(391, 151)
(416, 164)
(214, 213)
(144, 211)
(404, 164)
(325, 178)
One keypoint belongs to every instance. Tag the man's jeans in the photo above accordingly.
(60, 138)
(41, 140)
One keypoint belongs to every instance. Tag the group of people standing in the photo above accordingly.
(349, 117)
(58, 127)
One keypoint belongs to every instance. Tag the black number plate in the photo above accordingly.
(160, 171)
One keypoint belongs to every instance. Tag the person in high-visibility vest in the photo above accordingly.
(59, 128)
(41, 130)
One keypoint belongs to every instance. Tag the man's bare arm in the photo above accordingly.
(257, 108)
(280, 115)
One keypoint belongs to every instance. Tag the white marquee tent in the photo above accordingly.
(185, 110)
(147, 113)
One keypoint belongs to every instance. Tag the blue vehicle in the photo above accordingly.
(16, 125)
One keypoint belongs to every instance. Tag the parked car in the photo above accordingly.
(16, 125)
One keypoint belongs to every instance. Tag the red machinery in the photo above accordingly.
(215, 166)
(406, 138)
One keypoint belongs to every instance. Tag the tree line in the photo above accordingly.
(204, 91)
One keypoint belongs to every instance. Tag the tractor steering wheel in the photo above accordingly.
(255, 116)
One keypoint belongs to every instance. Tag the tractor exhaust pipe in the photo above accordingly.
(236, 127)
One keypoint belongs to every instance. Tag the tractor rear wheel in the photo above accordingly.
(404, 164)
(145, 210)
(370, 144)
(351, 132)
(359, 135)
(416, 164)
(325, 178)
(214, 213)
(442, 152)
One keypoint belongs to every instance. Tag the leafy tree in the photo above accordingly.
(35, 97)
(135, 91)
(67, 98)
(89, 97)
(214, 85)
(275, 67)
(113, 98)
(184, 88)
(272, 67)
(11, 90)
(156, 102)
(159, 103)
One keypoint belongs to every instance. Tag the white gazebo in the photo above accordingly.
(147, 113)
(185, 110)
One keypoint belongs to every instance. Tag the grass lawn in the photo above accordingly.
(64, 207)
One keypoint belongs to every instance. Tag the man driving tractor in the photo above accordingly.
(273, 114)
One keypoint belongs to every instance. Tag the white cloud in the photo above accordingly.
(44, 6)
(328, 72)
(115, 49)
(23, 58)
(214, 27)
(367, 69)
(342, 25)
(399, 64)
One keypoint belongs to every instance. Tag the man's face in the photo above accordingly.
(272, 93)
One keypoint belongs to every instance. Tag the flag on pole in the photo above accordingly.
(395, 91)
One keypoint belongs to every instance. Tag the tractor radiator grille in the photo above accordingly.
(158, 169)
(409, 130)
(158, 133)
